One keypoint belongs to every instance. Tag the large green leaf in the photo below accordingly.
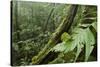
(86, 37)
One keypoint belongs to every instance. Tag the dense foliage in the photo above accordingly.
(34, 23)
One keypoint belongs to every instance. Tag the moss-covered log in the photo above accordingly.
(64, 26)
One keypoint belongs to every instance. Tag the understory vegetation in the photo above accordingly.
(52, 33)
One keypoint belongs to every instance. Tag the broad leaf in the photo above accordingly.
(60, 47)
(83, 36)
(63, 47)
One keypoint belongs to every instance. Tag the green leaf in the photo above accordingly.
(63, 47)
(60, 47)
(78, 37)
(83, 37)
(65, 37)
(90, 41)
(68, 46)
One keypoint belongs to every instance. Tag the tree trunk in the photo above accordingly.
(16, 20)
(64, 26)
(47, 21)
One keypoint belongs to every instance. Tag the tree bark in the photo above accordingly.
(64, 26)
